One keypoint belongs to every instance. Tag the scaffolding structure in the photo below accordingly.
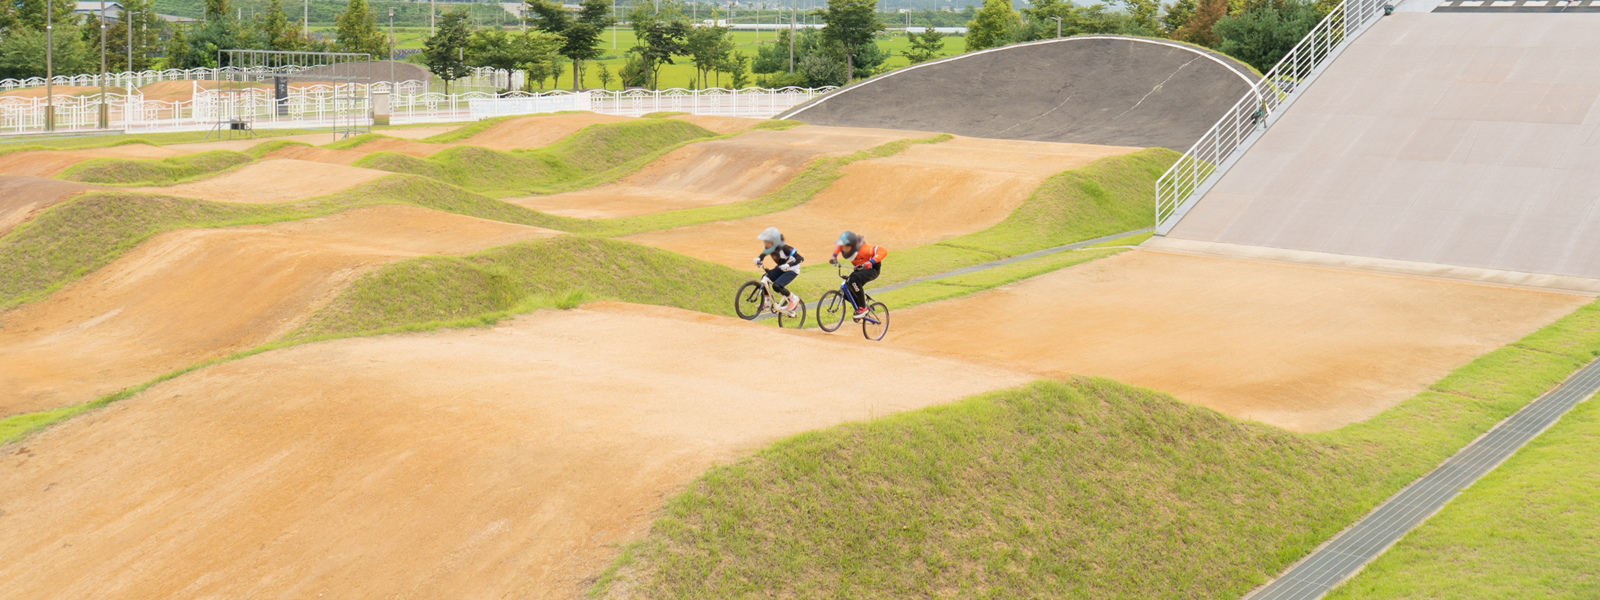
(239, 72)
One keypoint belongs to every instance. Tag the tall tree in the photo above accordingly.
(31, 14)
(580, 33)
(851, 23)
(445, 49)
(357, 29)
(1198, 28)
(22, 53)
(177, 53)
(994, 25)
(1177, 15)
(146, 35)
(216, 9)
(709, 48)
(661, 36)
(1262, 35)
(528, 51)
(278, 31)
(924, 46)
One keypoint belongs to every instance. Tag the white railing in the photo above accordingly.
(478, 80)
(325, 105)
(1188, 179)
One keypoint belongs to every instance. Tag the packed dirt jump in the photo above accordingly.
(1100, 89)
(273, 180)
(928, 193)
(22, 197)
(1299, 347)
(743, 167)
(345, 157)
(536, 131)
(187, 296)
(49, 163)
(478, 463)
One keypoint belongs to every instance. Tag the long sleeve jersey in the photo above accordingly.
(783, 255)
(866, 256)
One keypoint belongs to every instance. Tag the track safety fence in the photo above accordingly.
(1206, 161)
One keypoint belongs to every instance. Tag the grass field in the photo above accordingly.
(1530, 528)
(1083, 488)
(25, 144)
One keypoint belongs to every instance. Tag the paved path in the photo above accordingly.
(1345, 555)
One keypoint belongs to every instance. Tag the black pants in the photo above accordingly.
(779, 278)
(859, 278)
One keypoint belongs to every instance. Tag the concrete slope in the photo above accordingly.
(1110, 90)
(1457, 139)
(190, 295)
(509, 462)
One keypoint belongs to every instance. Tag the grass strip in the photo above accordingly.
(154, 171)
(1082, 488)
(1529, 528)
(924, 292)
(495, 283)
(595, 153)
(149, 139)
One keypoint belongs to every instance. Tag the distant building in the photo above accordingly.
(113, 12)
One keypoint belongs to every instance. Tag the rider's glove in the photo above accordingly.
(833, 261)
(758, 263)
(784, 267)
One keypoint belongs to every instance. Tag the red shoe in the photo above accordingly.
(861, 313)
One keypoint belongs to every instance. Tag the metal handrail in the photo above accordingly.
(1183, 182)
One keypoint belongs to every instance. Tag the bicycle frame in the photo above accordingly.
(844, 290)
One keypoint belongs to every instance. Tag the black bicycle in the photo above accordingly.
(755, 297)
(834, 304)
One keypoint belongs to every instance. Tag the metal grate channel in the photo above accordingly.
(1342, 557)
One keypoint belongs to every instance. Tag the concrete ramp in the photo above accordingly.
(1456, 139)
(1096, 89)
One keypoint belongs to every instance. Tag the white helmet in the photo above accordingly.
(772, 237)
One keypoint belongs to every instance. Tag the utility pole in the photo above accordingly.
(305, 21)
(49, 66)
(791, 34)
(613, 26)
(127, 18)
(431, 12)
(1058, 27)
(391, 52)
(105, 112)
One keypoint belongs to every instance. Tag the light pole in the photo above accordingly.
(1058, 27)
(791, 35)
(49, 66)
(305, 20)
(127, 18)
(105, 113)
(391, 52)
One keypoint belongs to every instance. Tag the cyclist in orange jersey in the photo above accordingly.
(868, 261)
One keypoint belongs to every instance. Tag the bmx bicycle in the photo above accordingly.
(756, 297)
(832, 309)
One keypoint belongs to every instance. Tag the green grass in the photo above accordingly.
(1530, 528)
(151, 171)
(1083, 488)
(1105, 197)
(596, 153)
(961, 285)
(490, 285)
(107, 141)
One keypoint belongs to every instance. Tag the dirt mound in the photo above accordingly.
(928, 193)
(274, 180)
(720, 124)
(345, 157)
(464, 463)
(711, 173)
(190, 295)
(21, 197)
(243, 144)
(537, 131)
(1304, 348)
(417, 133)
(183, 90)
(49, 163)
(1112, 90)
(406, 146)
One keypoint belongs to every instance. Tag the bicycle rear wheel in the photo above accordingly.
(830, 310)
(798, 321)
(876, 323)
(747, 301)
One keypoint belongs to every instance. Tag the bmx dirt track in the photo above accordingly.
(47, 163)
(1303, 348)
(273, 180)
(21, 197)
(535, 132)
(477, 463)
(715, 172)
(919, 196)
(190, 295)
(1112, 90)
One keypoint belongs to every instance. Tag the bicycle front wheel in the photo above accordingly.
(798, 321)
(876, 322)
(747, 301)
(830, 310)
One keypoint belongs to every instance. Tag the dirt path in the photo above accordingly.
(1304, 348)
(274, 180)
(710, 173)
(416, 133)
(22, 197)
(49, 163)
(928, 193)
(345, 157)
(480, 463)
(537, 131)
(720, 124)
(190, 295)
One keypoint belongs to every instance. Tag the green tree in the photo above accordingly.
(30, 14)
(444, 51)
(357, 30)
(1261, 36)
(633, 73)
(278, 32)
(1199, 27)
(1143, 17)
(925, 46)
(605, 76)
(511, 50)
(709, 48)
(22, 53)
(147, 29)
(659, 40)
(177, 53)
(1177, 15)
(580, 33)
(852, 24)
(996, 24)
(216, 9)
(739, 71)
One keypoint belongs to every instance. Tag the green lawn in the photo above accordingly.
(1530, 528)
(1088, 488)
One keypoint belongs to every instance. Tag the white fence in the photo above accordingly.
(477, 80)
(1205, 162)
(325, 105)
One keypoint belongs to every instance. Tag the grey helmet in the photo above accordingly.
(852, 240)
(770, 236)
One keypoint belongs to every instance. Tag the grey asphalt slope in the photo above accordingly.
(1448, 138)
(1110, 90)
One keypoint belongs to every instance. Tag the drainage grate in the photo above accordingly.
(1369, 537)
